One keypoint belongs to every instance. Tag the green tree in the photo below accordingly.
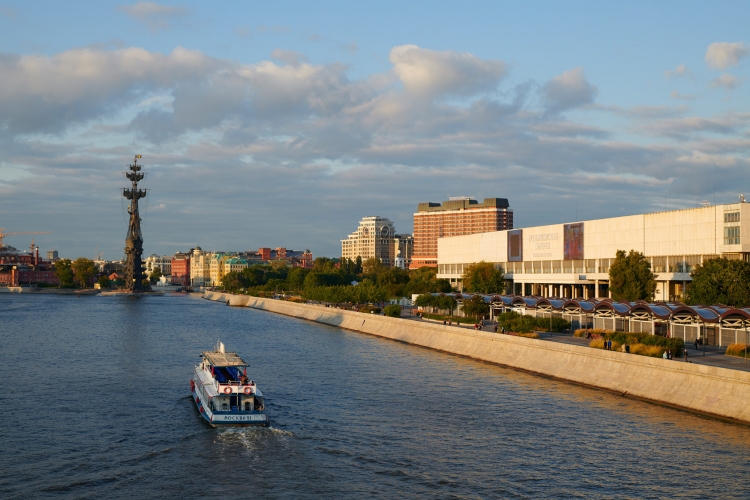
(155, 275)
(446, 302)
(64, 272)
(483, 277)
(371, 267)
(358, 265)
(83, 269)
(476, 307)
(425, 300)
(392, 310)
(720, 281)
(296, 278)
(630, 277)
(103, 282)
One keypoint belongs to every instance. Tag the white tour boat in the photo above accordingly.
(223, 393)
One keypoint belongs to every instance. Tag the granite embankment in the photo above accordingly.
(713, 391)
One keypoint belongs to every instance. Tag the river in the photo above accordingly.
(97, 404)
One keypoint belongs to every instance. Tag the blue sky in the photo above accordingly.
(283, 123)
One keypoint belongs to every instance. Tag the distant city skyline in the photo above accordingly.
(283, 124)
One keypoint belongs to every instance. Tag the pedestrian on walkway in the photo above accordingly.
(609, 345)
(696, 343)
(686, 356)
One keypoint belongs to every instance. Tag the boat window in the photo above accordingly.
(248, 406)
(225, 406)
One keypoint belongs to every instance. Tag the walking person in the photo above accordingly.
(696, 343)
(686, 356)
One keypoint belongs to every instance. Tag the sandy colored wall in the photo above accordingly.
(708, 390)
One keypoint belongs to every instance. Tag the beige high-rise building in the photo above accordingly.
(373, 238)
(199, 267)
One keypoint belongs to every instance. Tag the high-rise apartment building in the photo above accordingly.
(456, 217)
(373, 238)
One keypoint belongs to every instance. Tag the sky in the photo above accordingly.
(282, 124)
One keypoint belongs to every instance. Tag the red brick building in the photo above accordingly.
(455, 217)
(181, 269)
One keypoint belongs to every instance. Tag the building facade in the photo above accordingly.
(572, 260)
(373, 238)
(199, 267)
(181, 269)
(164, 263)
(456, 217)
(403, 248)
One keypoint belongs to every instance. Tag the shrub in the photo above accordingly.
(529, 335)
(648, 345)
(599, 344)
(369, 309)
(521, 323)
(740, 350)
(393, 311)
(581, 332)
(647, 350)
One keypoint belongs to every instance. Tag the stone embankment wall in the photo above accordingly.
(703, 389)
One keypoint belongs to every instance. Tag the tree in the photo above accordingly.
(64, 272)
(371, 267)
(630, 277)
(296, 278)
(476, 307)
(483, 277)
(155, 275)
(103, 282)
(425, 300)
(446, 302)
(392, 310)
(720, 281)
(84, 269)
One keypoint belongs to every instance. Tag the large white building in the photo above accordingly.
(572, 260)
(376, 237)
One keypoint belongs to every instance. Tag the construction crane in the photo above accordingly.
(13, 233)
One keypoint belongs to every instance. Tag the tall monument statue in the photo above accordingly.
(134, 275)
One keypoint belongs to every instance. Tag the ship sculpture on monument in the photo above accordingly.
(134, 275)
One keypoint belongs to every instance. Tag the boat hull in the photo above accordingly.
(228, 419)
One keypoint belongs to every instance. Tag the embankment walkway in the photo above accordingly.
(704, 389)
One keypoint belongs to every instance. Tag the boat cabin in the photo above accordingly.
(232, 390)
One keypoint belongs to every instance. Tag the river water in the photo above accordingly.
(96, 404)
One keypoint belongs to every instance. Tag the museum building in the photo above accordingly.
(572, 260)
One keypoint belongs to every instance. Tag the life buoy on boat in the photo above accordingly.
(248, 389)
(227, 390)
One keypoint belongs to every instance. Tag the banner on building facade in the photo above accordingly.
(515, 245)
(573, 237)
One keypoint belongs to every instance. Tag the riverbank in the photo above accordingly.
(708, 390)
(49, 291)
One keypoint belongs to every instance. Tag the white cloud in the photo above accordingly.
(430, 73)
(153, 15)
(729, 82)
(336, 141)
(50, 93)
(679, 71)
(721, 55)
(288, 56)
(568, 90)
(685, 97)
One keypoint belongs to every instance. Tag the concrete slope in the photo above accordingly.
(719, 392)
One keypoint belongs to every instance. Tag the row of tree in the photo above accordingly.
(77, 272)
(630, 279)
